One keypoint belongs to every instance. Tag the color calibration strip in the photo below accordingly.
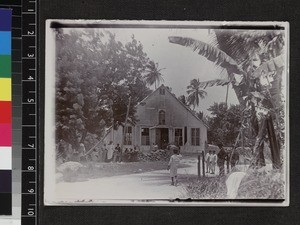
(5, 113)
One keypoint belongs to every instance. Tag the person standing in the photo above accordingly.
(100, 154)
(104, 153)
(207, 162)
(221, 160)
(173, 166)
(234, 159)
(117, 153)
(110, 152)
(82, 152)
(213, 162)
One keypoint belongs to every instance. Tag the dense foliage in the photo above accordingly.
(254, 62)
(224, 123)
(95, 76)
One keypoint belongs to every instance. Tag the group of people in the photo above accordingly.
(111, 153)
(101, 153)
(212, 159)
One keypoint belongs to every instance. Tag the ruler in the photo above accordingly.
(29, 113)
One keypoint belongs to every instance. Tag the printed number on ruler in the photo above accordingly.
(29, 113)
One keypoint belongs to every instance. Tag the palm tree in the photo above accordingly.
(249, 56)
(153, 75)
(183, 100)
(194, 93)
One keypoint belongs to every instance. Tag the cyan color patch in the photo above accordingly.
(5, 43)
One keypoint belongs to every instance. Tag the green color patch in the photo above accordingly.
(5, 66)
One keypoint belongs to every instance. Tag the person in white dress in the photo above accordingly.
(213, 162)
(110, 152)
(173, 166)
(207, 162)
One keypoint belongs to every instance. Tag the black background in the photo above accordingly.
(198, 10)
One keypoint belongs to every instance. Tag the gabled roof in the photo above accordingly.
(174, 96)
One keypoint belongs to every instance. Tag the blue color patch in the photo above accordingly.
(5, 19)
(5, 43)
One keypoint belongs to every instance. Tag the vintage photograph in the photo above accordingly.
(166, 112)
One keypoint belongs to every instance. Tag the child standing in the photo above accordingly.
(213, 162)
(173, 166)
(207, 156)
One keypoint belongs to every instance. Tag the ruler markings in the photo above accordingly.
(29, 81)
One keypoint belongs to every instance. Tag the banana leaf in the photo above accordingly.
(216, 82)
(210, 52)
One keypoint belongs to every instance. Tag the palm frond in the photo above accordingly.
(216, 82)
(210, 52)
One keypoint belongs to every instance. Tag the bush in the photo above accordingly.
(69, 170)
(206, 188)
(158, 155)
(69, 175)
(262, 185)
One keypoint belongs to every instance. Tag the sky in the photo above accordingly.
(181, 63)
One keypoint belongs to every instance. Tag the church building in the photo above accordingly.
(162, 120)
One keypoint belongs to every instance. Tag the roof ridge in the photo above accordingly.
(174, 96)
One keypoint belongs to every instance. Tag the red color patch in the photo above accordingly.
(5, 134)
(5, 112)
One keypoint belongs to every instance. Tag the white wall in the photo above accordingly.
(177, 116)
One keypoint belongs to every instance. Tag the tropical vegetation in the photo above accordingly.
(254, 63)
(95, 76)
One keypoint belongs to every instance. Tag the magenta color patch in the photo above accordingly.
(5, 135)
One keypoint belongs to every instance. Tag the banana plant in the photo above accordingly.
(254, 63)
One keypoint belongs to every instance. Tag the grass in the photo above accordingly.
(206, 188)
(255, 185)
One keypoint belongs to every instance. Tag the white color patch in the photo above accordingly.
(5, 158)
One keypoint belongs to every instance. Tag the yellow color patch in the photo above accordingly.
(5, 89)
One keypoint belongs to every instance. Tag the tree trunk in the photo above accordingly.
(275, 150)
(226, 98)
(259, 159)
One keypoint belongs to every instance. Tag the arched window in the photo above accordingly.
(162, 117)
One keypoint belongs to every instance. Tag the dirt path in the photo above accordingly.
(148, 185)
